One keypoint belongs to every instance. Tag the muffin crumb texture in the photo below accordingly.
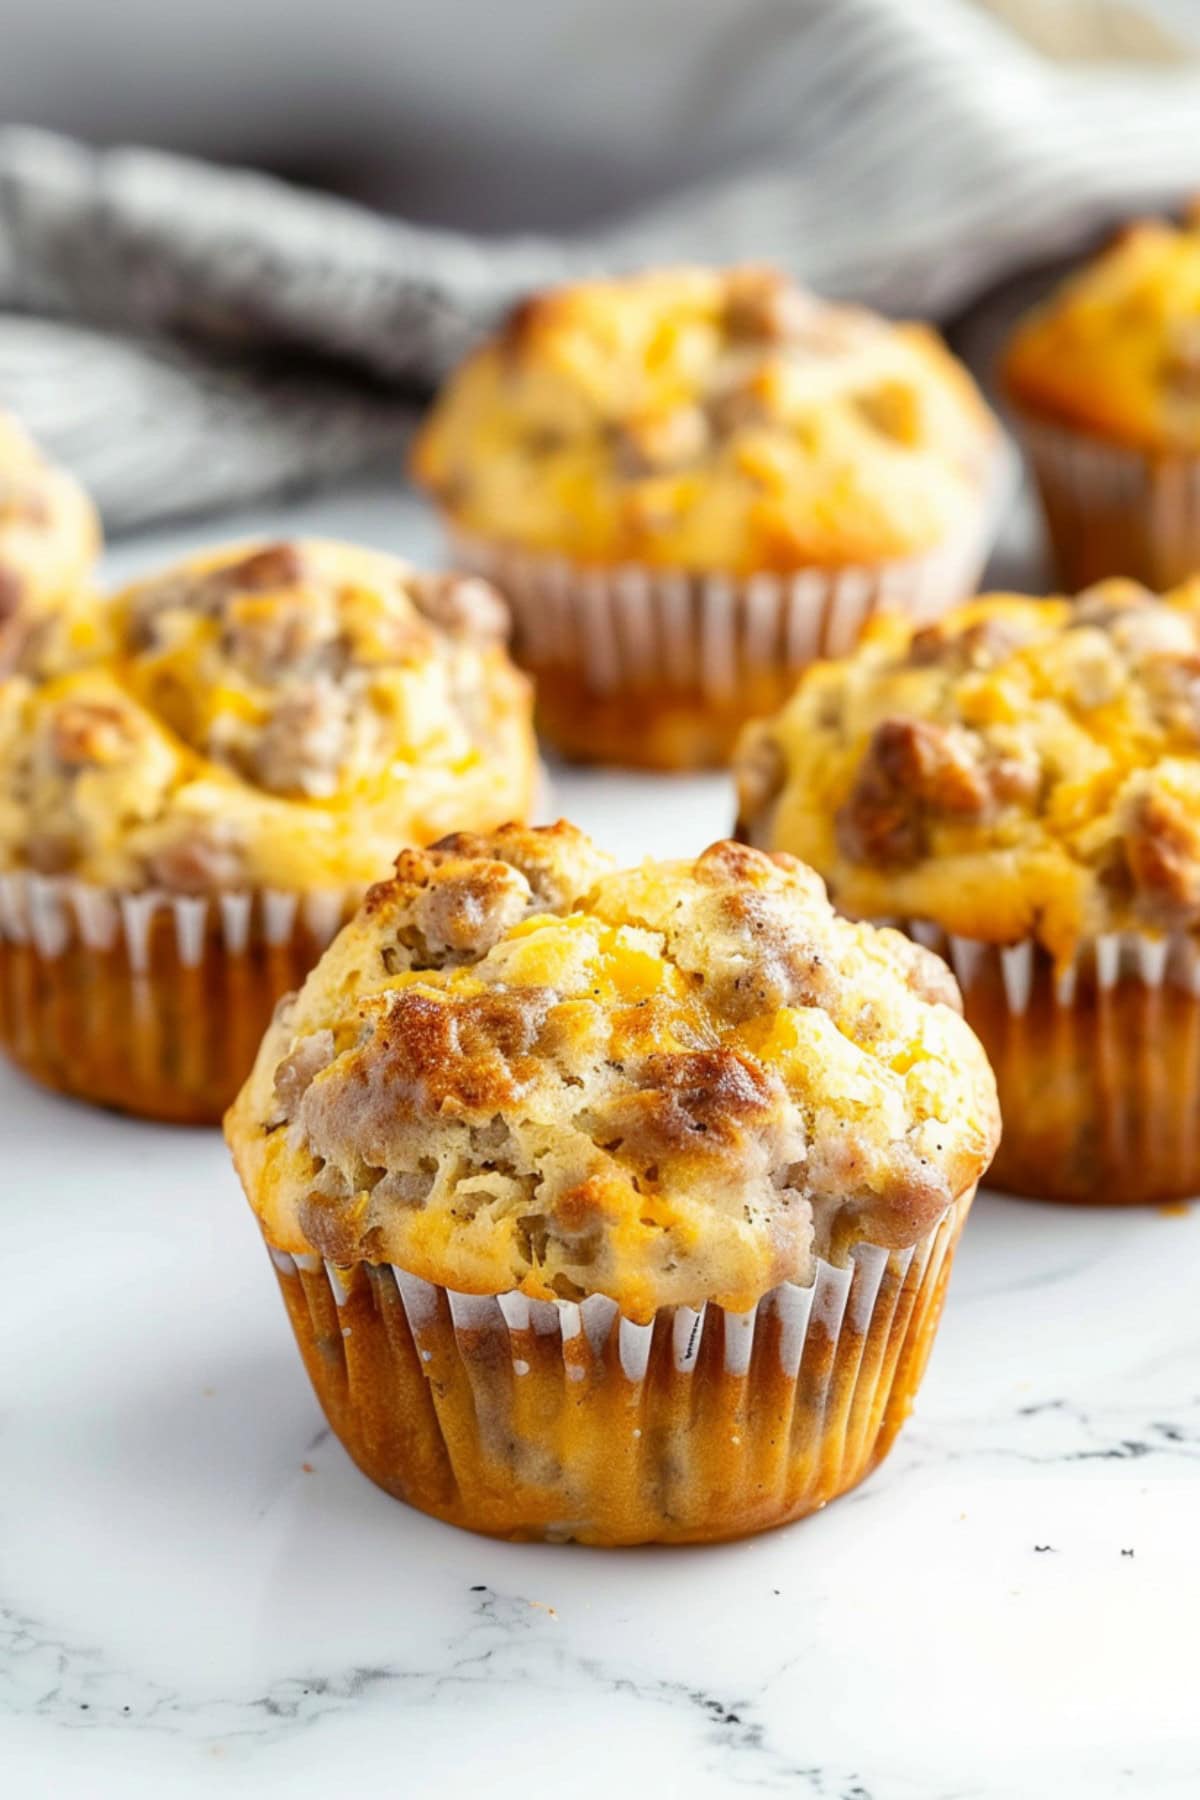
(1115, 350)
(522, 1068)
(49, 541)
(1023, 768)
(712, 420)
(276, 715)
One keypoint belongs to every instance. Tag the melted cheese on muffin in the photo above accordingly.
(1116, 349)
(520, 1067)
(1022, 768)
(49, 540)
(282, 716)
(711, 420)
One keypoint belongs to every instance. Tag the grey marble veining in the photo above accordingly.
(199, 1595)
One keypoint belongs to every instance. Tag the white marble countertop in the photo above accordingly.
(199, 1595)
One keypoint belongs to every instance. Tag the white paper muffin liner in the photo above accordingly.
(735, 1421)
(634, 626)
(1111, 956)
(1097, 1060)
(151, 1001)
(1112, 511)
(53, 912)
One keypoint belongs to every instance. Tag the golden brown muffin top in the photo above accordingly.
(520, 1067)
(1022, 768)
(1115, 350)
(49, 541)
(281, 715)
(708, 419)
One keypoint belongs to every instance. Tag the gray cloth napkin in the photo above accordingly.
(189, 337)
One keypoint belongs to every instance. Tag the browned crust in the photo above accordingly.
(911, 769)
(1162, 846)
(521, 1067)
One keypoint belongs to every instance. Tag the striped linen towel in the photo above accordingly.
(188, 337)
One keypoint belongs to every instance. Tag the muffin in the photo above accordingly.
(1019, 786)
(691, 482)
(1105, 381)
(614, 1205)
(192, 803)
(49, 541)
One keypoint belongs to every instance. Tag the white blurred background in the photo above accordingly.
(493, 114)
(191, 336)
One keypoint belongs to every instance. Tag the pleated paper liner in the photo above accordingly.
(1112, 511)
(660, 668)
(150, 1002)
(530, 1419)
(1097, 1061)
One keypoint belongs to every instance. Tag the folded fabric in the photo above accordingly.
(187, 336)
